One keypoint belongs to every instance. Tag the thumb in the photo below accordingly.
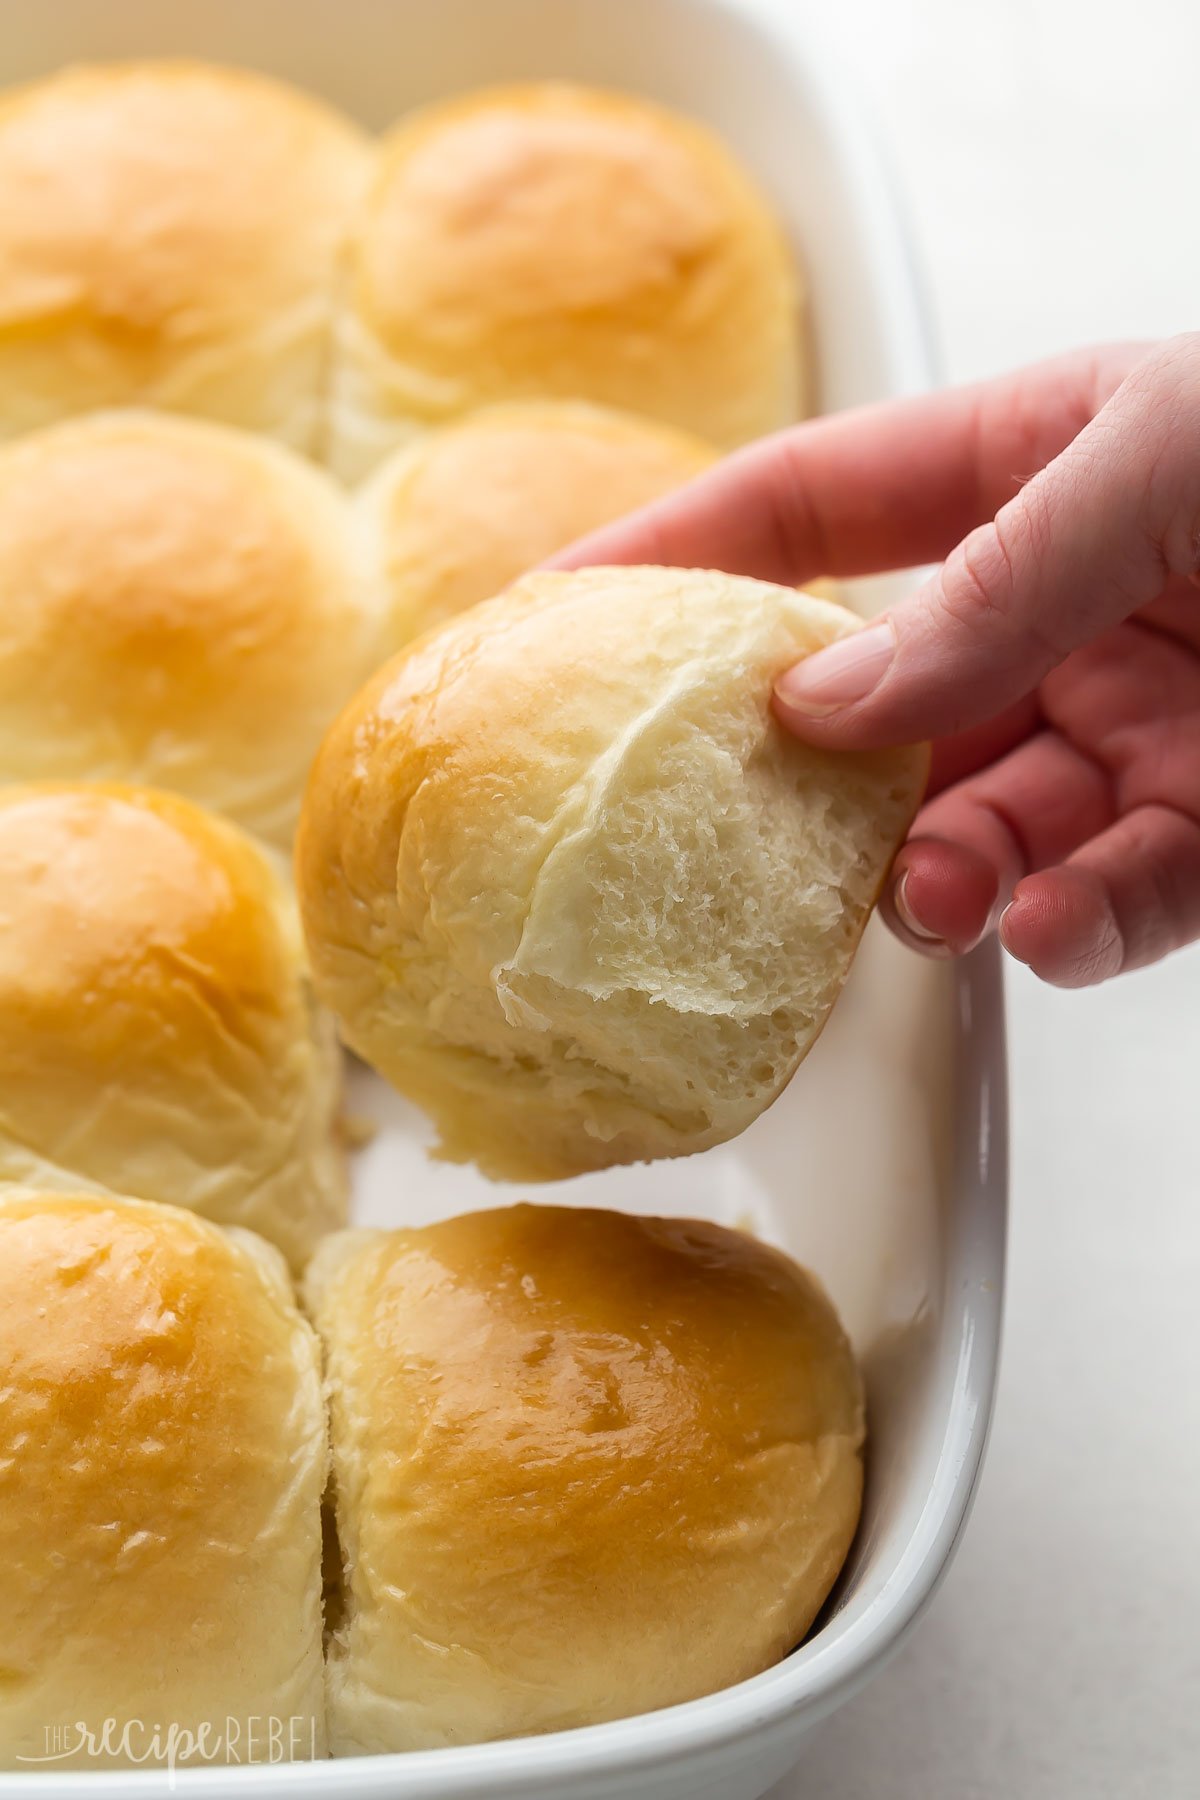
(1086, 542)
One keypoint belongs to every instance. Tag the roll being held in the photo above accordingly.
(585, 1465)
(550, 240)
(567, 883)
(158, 1037)
(465, 510)
(170, 236)
(178, 607)
(163, 1460)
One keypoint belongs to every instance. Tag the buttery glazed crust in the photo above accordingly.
(171, 235)
(465, 510)
(552, 240)
(157, 1037)
(162, 1458)
(585, 1465)
(178, 606)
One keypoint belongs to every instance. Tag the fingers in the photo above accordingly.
(1134, 697)
(1095, 536)
(941, 896)
(954, 758)
(973, 843)
(1126, 899)
(881, 487)
(1122, 899)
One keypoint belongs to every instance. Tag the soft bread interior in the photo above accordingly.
(567, 882)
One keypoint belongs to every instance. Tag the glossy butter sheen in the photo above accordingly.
(793, 115)
(162, 1457)
(585, 1465)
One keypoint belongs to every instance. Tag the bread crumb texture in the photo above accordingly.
(568, 884)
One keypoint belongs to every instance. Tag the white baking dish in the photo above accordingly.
(884, 1166)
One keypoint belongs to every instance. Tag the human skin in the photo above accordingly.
(1053, 656)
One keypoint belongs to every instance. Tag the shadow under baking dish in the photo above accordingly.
(883, 1167)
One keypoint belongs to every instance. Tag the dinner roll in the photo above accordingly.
(462, 512)
(568, 885)
(157, 1034)
(171, 235)
(584, 1464)
(177, 607)
(554, 240)
(162, 1459)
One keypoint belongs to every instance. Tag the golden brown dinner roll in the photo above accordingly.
(157, 1034)
(568, 885)
(459, 514)
(585, 1465)
(171, 235)
(162, 1459)
(555, 240)
(177, 607)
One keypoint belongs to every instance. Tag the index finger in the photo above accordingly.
(881, 487)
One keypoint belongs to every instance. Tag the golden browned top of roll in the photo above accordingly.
(586, 1465)
(178, 607)
(162, 1457)
(551, 239)
(170, 235)
(157, 1037)
(465, 510)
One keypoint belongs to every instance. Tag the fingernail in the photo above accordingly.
(906, 916)
(845, 672)
(1000, 931)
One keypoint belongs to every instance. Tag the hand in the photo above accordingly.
(1054, 657)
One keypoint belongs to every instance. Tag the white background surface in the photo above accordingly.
(1049, 152)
